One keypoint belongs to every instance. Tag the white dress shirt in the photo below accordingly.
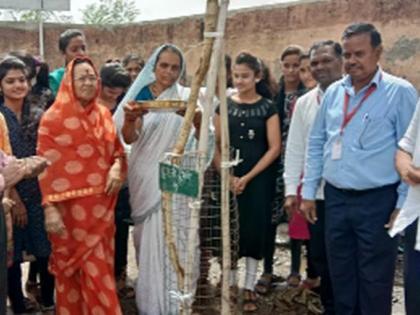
(303, 116)
(410, 211)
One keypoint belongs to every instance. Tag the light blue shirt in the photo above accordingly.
(369, 141)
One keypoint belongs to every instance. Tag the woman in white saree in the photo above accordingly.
(151, 135)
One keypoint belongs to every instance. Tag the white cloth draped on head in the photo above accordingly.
(157, 136)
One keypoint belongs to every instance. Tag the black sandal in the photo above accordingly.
(266, 283)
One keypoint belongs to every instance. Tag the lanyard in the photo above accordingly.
(348, 116)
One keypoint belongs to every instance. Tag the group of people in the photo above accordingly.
(332, 145)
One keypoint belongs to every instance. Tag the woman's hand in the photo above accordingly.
(13, 172)
(53, 220)
(133, 111)
(196, 119)
(241, 184)
(232, 183)
(19, 213)
(238, 184)
(35, 165)
(114, 180)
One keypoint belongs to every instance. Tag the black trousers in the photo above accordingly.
(361, 254)
(14, 285)
(318, 258)
(411, 271)
(122, 215)
(270, 246)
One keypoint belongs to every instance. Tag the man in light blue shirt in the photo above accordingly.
(352, 146)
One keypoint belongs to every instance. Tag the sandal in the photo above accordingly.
(48, 310)
(267, 282)
(311, 283)
(29, 305)
(249, 301)
(293, 280)
(126, 292)
(33, 290)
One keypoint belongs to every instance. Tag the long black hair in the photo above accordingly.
(255, 64)
(31, 115)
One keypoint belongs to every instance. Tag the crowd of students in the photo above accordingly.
(327, 145)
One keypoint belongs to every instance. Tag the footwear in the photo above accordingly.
(266, 283)
(48, 310)
(29, 305)
(233, 292)
(33, 290)
(124, 291)
(311, 283)
(293, 280)
(249, 301)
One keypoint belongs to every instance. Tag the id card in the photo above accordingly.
(337, 149)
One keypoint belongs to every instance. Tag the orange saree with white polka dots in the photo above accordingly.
(82, 144)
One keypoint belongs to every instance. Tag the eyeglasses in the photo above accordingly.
(87, 79)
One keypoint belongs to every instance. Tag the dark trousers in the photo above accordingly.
(122, 215)
(318, 258)
(361, 255)
(411, 271)
(3, 262)
(296, 253)
(15, 285)
(270, 246)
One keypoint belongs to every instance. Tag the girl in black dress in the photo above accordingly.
(255, 131)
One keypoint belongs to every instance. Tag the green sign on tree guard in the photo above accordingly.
(178, 180)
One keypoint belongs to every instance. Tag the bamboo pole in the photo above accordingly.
(225, 193)
(210, 25)
(208, 110)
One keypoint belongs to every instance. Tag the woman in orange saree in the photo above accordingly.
(79, 193)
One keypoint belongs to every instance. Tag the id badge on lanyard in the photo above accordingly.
(337, 147)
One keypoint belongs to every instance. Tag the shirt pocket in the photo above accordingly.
(375, 133)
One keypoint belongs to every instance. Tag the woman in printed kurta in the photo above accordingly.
(80, 191)
(30, 237)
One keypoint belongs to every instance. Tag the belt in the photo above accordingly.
(357, 192)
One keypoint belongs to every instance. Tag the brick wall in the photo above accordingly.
(264, 31)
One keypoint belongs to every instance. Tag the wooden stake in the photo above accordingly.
(210, 26)
(225, 193)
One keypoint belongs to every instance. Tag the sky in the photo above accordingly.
(161, 9)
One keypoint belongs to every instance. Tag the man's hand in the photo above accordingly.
(308, 208)
(290, 205)
(413, 175)
(392, 219)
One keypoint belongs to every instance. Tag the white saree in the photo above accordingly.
(156, 279)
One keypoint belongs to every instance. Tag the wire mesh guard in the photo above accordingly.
(206, 267)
